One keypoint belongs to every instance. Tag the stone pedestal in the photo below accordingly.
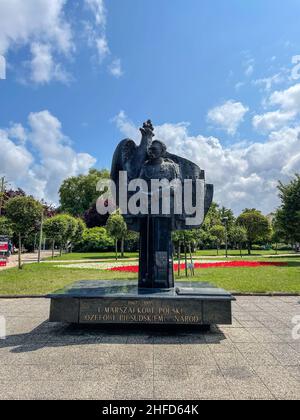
(156, 254)
(122, 302)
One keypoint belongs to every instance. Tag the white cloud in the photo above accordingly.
(102, 47)
(115, 68)
(249, 65)
(272, 120)
(25, 23)
(268, 82)
(96, 33)
(42, 172)
(249, 70)
(17, 132)
(239, 85)
(244, 175)
(126, 126)
(43, 67)
(228, 116)
(97, 37)
(22, 22)
(2, 68)
(15, 159)
(99, 11)
(46, 30)
(289, 108)
(292, 165)
(288, 99)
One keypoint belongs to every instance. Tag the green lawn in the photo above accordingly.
(40, 279)
(91, 256)
(236, 253)
(204, 253)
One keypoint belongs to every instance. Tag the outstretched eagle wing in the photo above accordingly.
(123, 159)
(189, 170)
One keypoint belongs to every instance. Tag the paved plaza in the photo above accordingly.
(255, 358)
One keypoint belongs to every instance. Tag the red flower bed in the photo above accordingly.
(126, 269)
(135, 268)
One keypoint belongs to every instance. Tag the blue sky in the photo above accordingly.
(216, 78)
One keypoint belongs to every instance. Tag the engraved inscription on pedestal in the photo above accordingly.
(146, 311)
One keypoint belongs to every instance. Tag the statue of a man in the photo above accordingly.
(156, 260)
(158, 167)
(150, 161)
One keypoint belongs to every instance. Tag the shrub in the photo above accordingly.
(95, 240)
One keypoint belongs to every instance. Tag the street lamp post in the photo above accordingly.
(225, 222)
(41, 237)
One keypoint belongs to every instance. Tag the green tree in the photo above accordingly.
(117, 228)
(5, 227)
(55, 229)
(278, 233)
(95, 240)
(25, 214)
(132, 241)
(229, 215)
(257, 226)
(238, 235)
(203, 237)
(70, 234)
(213, 217)
(288, 216)
(78, 194)
(218, 235)
(80, 228)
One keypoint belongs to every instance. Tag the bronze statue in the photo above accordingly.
(150, 161)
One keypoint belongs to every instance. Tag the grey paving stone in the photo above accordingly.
(137, 389)
(294, 371)
(240, 335)
(261, 359)
(280, 382)
(255, 358)
(57, 390)
(286, 355)
(230, 360)
(92, 373)
(171, 373)
(193, 389)
(245, 385)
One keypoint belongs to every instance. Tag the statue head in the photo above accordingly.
(157, 150)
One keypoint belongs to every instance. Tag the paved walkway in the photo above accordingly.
(28, 258)
(256, 358)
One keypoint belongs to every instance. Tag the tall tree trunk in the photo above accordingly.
(249, 248)
(186, 261)
(240, 246)
(192, 262)
(116, 244)
(41, 238)
(53, 244)
(20, 252)
(122, 247)
(34, 245)
(179, 258)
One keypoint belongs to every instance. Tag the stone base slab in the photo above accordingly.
(122, 302)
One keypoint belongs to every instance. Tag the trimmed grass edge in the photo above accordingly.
(235, 294)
